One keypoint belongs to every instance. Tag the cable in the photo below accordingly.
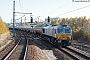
(58, 8)
(75, 10)
(22, 2)
(20, 5)
(62, 6)
(22, 8)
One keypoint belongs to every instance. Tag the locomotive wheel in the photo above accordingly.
(51, 40)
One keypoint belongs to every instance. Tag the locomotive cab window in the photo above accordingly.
(55, 31)
(43, 30)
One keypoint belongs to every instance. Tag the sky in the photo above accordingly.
(43, 8)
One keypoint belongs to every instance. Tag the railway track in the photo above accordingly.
(18, 52)
(82, 46)
(74, 54)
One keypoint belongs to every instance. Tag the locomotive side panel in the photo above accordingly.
(50, 32)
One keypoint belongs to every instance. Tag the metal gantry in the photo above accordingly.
(16, 19)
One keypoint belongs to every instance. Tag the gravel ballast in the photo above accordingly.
(35, 53)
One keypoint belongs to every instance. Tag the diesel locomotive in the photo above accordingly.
(55, 34)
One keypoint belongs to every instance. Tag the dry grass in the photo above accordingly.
(3, 38)
(88, 37)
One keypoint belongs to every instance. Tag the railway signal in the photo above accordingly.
(31, 19)
(48, 19)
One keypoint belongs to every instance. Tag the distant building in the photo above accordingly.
(55, 18)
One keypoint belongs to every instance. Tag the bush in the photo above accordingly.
(88, 37)
(81, 32)
(3, 27)
(78, 34)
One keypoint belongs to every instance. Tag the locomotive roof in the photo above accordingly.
(27, 26)
(41, 25)
(51, 27)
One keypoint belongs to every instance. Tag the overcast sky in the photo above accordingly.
(43, 8)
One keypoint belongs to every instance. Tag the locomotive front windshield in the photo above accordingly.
(63, 30)
(60, 30)
(67, 30)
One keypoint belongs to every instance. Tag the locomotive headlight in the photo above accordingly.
(69, 41)
(59, 41)
(69, 37)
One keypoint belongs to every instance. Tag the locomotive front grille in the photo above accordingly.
(63, 36)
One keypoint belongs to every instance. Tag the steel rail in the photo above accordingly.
(26, 49)
(78, 53)
(11, 51)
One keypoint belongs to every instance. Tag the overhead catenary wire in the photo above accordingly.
(47, 13)
(71, 10)
(58, 8)
(20, 5)
(22, 8)
(75, 10)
